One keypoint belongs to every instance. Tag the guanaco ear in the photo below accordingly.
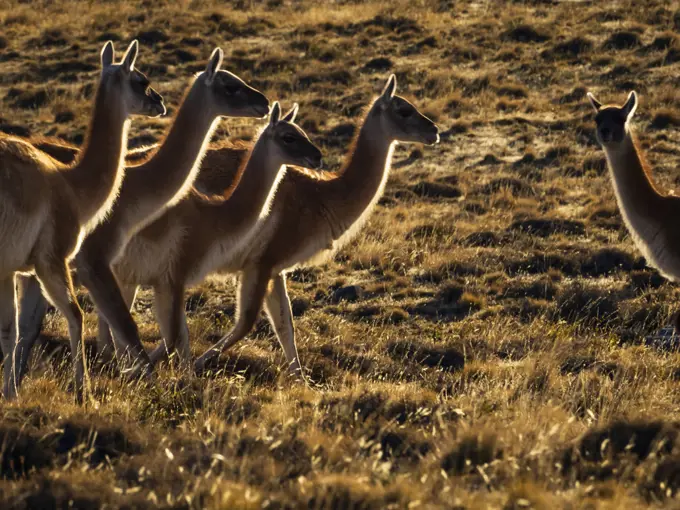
(130, 56)
(275, 113)
(106, 55)
(290, 116)
(596, 104)
(631, 105)
(214, 65)
(390, 88)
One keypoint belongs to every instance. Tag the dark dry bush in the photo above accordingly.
(513, 91)
(643, 280)
(526, 34)
(664, 119)
(350, 293)
(431, 232)
(446, 358)
(50, 38)
(544, 227)
(578, 94)
(576, 303)
(608, 260)
(29, 99)
(103, 443)
(604, 452)
(622, 40)
(578, 363)
(436, 189)
(664, 482)
(543, 288)
(399, 445)
(572, 48)
(607, 218)
(443, 308)
(45, 491)
(64, 117)
(470, 452)
(22, 452)
(151, 37)
(527, 309)
(516, 186)
(195, 301)
(378, 64)
(447, 271)
(596, 164)
(299, 306)
(344, 413)
(483, 239)
(347, 360)
(474, 207)
(336, 495)
(236, 411)
(14, 129)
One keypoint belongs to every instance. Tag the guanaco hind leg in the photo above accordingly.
(110, 302)
(109, 348)
(277, 306)
(169, 305)
(56, 281)
(250, 297)
(32, 311)
(8, 334)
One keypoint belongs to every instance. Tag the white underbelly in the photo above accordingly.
(652, 244)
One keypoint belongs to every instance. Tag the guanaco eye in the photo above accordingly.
(230, 90)
(140, 85)
(404, 112)
(288, 138)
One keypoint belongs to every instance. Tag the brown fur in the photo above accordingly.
(651, 217)
(164, 177)
(312, 214)
(47, 207)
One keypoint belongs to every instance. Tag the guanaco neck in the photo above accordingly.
(636, 194)
(362, 180)
(96, 177)
(250, 201)
(167, 176)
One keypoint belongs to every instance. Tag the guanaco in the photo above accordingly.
(648, 214)
(148, 189)
(310, 217)
(202, 231)
(47, 208)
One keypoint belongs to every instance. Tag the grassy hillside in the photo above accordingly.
(480, 345)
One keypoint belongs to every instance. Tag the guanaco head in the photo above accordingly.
(231, 95)
(289, 143)
(401, 120)
(612, 121)
(126, 85)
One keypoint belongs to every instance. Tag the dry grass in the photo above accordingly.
(481, 345)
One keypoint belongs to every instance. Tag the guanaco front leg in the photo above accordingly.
(169, 305)
(55, 277)
(277, 306)
(8, 335)
(108, 349)
(32, 311)
(100, 281)
(250, 296)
